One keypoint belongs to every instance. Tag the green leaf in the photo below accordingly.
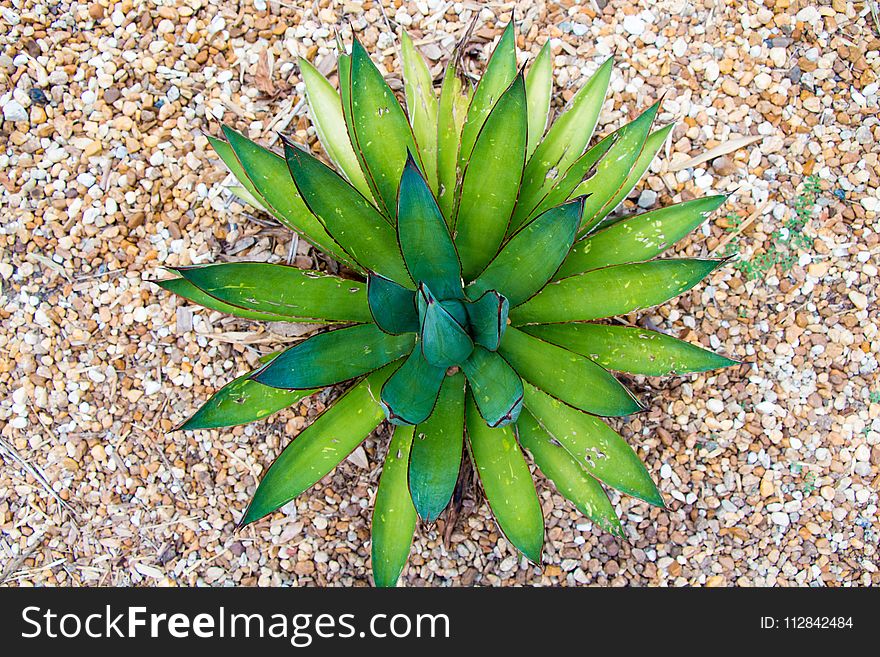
(500, 73)
(409, 396)
(496, 387)
(421, 105)
(321, 446)
(570, 479)
(325, 110)
(242, 401)
(638, 238)
(270, 177)
(425, 242)
(646, 154)
(594, 445)
(245, 196)
(507, 482)
(652, 146)
(296, 294)
(445, 342)
(455, 97)
(488, 319)
(224, 150)
(565, 184)
(612, 170)
(186, 290)
(539, 87)
(612, 291)
(573, 378)
(379, 130)
(392, 306)
(565, 141)
(491, 180)
(436, 451)
(532, 256)
(630, 349)
(394, 517)
(352, 221)
(343, 66)
(335, 356)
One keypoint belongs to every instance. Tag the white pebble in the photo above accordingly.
(19, 396)
(809, 14)
(715, 406)
(679, 48)
(778, 56)
(86, 179)
(634, 25)
(763, 81)
(780, 518)
(13, 111)
(647, 198)
(712, 70)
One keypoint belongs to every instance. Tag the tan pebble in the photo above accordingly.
(724, 166)
(812, 103)
(149, 64)
(767, 488)
(715, 581)
(168, 12)
(730, 87)
(98, 453)
(858, 299)
(818, 269)
(96, 11)
(93, 148)
(38, 115)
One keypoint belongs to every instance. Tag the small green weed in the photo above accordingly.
(809, 484)
(786, 242)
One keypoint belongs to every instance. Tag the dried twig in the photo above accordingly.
(739, 229)
(723, 148)
(36, 473)
(13, 564)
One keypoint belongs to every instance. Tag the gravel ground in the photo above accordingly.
(771, 469)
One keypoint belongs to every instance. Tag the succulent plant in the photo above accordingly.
(476, 253)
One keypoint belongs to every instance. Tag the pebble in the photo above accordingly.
(634, 25)
(647, 198)
(780, 518)
(858, 299)
(13, 111)
(679, 47)
(809, 14)
(763, 81)
(778, 56)
(712, 70)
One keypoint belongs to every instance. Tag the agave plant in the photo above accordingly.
(477, 254)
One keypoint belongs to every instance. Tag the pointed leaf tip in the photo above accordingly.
(409, 396)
